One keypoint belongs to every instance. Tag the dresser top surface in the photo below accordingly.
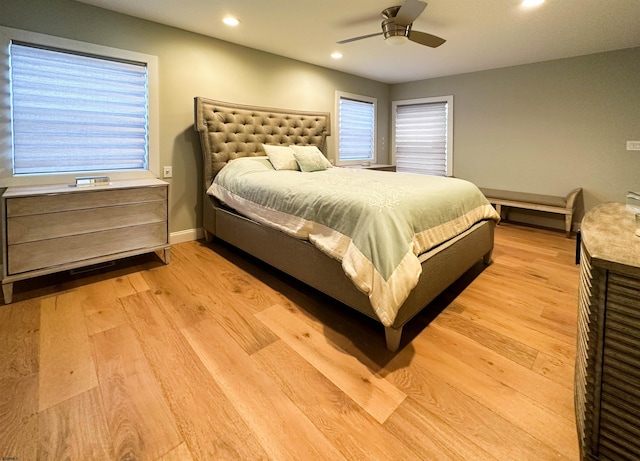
(608, 233)
(23, 191)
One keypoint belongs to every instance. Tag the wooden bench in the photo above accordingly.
(550, 204)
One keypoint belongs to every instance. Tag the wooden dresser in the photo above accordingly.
(607, 379)
(48, 229)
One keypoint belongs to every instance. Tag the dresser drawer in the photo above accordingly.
(52, 203)
(22, 229)
(40, 254)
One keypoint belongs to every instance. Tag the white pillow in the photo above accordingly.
(281, 157)
(313, 152)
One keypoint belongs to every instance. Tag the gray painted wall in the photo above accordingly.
(543, 128)
(547, 127)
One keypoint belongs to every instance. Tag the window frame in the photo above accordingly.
(428, 100)
(360, 98)
(7, 178)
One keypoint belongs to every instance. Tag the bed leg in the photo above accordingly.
(392, 336)
(208, 236)
(487, 258)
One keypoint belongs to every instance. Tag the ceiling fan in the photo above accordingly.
(396, 26)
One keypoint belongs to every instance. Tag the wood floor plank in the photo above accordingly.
(520, 410)
(525, 309)
(208, 422)
(562, 315)
(101, 306)
(231, 276)
(139, 420)
(175, 296)
(66, 364)
(228, 294)
(190, 301)
(356, 334)
(527, 333)
(555, 396)
(19, 350)
(179, 453)
(373, 393)
(514, 350)
(430, 435)
(168, 287)
(467, 416)
(19, 417)
(330, 408)
(130, 284)
(20, 323)
(287, 434)
(560, 371)
(75, 429)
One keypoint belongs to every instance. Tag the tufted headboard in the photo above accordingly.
(229, 131)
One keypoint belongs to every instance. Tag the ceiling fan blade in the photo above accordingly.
(409, 12)
(358, 38)
(359, 21)
(426, 39)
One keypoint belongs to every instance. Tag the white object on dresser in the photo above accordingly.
(48, 229)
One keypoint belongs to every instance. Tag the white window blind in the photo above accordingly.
(77, 113)
(356, 130)
(421, 132)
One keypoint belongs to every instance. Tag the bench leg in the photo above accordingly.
(499, 210)
(568, 220)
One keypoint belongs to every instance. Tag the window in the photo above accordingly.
(77, 109)
(356, 123)
(423, 136)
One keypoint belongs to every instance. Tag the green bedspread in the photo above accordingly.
(375, 223)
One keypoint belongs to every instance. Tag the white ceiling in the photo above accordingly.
(480, 34)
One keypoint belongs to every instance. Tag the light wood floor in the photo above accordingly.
(216, 357)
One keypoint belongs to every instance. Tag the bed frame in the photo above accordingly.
(229, 131)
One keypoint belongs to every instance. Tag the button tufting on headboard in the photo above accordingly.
(229, 131)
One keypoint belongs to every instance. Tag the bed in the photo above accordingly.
(233, 140)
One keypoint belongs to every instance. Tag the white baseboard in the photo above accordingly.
(186, 235)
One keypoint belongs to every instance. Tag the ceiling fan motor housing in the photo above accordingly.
(391, 29)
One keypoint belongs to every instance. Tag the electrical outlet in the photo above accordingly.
(167, 172)
(633, 145)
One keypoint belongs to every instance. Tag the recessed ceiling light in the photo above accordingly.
(531, 3)
(336, 55)
(231, 21)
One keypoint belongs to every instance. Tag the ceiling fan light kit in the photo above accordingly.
(394, 34)
(396, 26)
(395, 40)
